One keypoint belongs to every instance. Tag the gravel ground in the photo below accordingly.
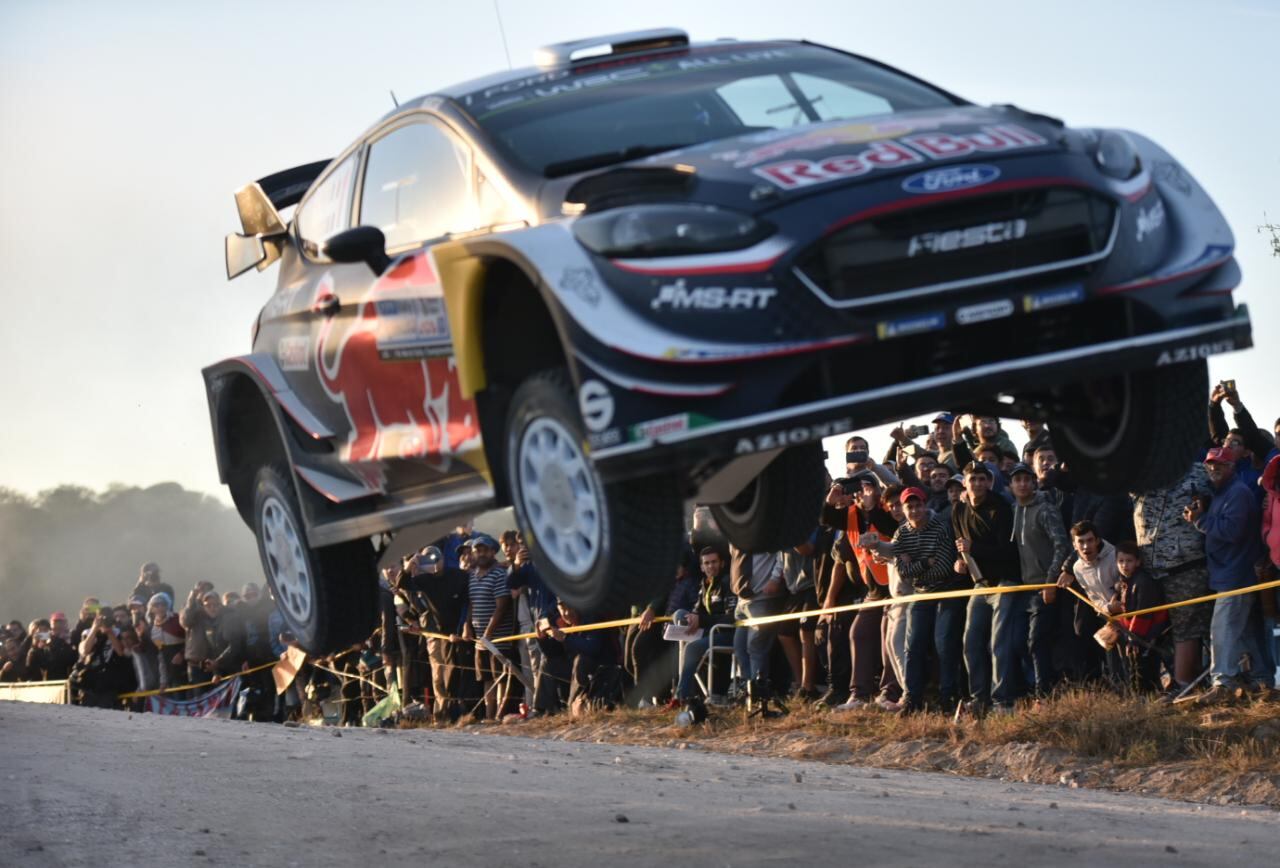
(84, 787)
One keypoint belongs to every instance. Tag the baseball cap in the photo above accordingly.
(1020, 468)
(956, 481)
(58, 616)
(483, 539)
(866, 477)
(430, 555)
(138, 600)
(910, 493)
(945, 418)
(1218, 456)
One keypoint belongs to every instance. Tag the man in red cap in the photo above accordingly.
(1231, 526)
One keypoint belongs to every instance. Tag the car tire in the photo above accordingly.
(781, 506)
(327, 596)
(1149, 428)
(600, 547)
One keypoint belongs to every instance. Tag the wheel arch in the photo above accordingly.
(505, 327)
(249, 428)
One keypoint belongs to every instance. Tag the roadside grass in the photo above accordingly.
(1122, 732)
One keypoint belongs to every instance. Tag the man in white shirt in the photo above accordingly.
(1095, 571)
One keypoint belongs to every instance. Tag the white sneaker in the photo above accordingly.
(851, 705)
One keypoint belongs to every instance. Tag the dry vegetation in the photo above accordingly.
(1222, 754)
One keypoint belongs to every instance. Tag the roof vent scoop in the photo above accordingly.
(634, 42)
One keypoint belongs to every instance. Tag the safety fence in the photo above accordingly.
(217, 700)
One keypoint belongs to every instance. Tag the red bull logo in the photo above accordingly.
(404, 404)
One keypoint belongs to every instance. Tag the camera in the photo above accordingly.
(917, 431)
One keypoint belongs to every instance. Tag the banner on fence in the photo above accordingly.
(35, 691)
(215, 702)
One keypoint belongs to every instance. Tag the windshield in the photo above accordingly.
(563, 121)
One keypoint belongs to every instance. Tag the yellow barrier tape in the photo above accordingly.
(138, 694)
(891, 601)
(1208, 598)
(341, 674)
(584, 628)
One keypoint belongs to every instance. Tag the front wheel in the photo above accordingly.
(1141, 429)
(600, 547)
(328, 596)
(780, 507)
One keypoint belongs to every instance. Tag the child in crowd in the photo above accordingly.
(1137, 590)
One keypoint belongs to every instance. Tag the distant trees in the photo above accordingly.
(67, 543)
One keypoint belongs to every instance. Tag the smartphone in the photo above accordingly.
(917, 431)
(1229, 385)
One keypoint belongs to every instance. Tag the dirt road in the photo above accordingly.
(88, 787)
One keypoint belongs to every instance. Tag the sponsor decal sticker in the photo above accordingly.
(656, 428)
(1056, 297)
(680, 296)
(407, 410)
(294, 353)
(596, 404)
(611, 437)
(970, 236)
(896, 153)
(1149, 220)
(928, 322)
(950, 178)
(984, 312)
(792, 436)
(1195, 353)
(581, 282)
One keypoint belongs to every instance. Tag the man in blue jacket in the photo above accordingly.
(1231, 545)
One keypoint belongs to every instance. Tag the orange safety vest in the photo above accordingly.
(880, 572)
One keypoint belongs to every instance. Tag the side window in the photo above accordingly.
(417, 186)
(765, 101)
(327, 210)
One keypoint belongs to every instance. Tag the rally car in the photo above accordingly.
(646, 272)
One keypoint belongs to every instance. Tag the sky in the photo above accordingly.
(125, 127)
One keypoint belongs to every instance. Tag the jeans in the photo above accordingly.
(1228, 637)
(996, 631)
(939, 623)
(1042, 629)
(693, 654)
(751, 645)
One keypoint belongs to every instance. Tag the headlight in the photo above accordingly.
(1116, 155)
(668, 230)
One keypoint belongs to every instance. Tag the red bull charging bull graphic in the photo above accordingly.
(393, 371)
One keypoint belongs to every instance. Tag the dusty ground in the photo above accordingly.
(84, 787)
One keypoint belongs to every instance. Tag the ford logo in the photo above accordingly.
(950, 178)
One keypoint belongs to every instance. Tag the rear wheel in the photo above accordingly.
(327, 596)
(1141, 430)
(780, 507)
(600, 547)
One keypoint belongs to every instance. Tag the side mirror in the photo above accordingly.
(364, 244)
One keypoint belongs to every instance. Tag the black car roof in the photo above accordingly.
(461, 89)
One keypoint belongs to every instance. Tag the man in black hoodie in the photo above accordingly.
(982, 524)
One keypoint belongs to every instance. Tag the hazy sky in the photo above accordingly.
(125, 127)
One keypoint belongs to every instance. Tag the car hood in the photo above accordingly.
(758, 170)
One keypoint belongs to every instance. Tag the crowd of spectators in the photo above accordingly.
(468, 630)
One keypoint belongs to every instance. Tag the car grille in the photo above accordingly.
(960, 243)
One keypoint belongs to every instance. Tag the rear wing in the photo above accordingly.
(259, 204)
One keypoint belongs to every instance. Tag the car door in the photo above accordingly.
(382, 347)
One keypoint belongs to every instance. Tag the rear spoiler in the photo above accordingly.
(259, 204)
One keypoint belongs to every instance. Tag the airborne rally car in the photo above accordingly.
(647, 271)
